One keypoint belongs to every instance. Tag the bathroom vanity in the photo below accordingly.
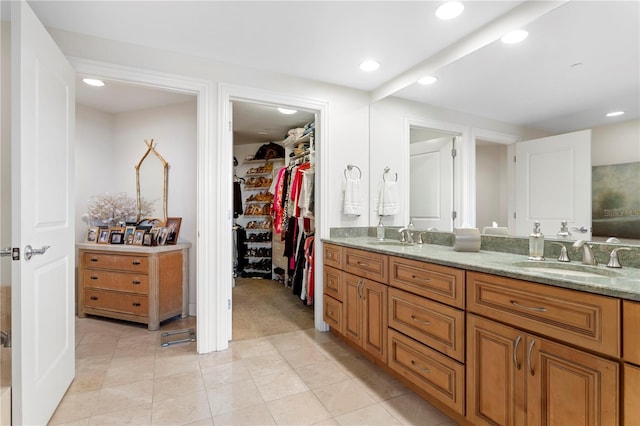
(489, 337)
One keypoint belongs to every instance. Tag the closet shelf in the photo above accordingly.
(271, 160)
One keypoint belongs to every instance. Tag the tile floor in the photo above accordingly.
(124, 376)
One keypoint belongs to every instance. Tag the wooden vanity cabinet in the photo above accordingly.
(631, 366)
(139, 284)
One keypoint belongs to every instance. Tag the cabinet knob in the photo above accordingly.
(136, 262)
(135, 282)
(94, 259)
(94, 298)
(136, 304)
(93, 277)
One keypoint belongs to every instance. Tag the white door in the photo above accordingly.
(43, 99)
(553, 183)
(431, 184)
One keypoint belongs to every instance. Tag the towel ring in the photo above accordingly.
(351, 167)
(386, 170)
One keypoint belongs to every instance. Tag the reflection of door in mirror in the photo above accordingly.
(152, 176)
(492, 189)
(431, 180)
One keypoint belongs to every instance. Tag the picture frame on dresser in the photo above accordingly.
(92, 234)
(173, 227)
(138, 236)
(147, 239)
(116, 237)
(103, 236)
(128, 234)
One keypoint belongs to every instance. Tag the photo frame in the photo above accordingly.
(92, 234)
(128, 234)
(147, 239)
(116, 237)
(162, 236)
(173, 227)
(138, 236)
(103, 236)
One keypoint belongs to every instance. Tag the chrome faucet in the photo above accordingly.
(588, 258)
(406, 236)
(613, 258)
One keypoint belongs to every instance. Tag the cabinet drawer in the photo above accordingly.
(134, 263)
(438, 326)
(332, 255)
(438, 375)
(118, 281)
(132, 304)
(333, 313)
(332, 282)
(366, 264)
(587, 320)
(631, 335)
(441, 283)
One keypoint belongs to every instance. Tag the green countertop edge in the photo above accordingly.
(438, 249)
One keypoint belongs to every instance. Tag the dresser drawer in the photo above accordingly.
(366, 264)
(436, 374)
(125, 303)
(441, 283)
(431, 323)
(333, 285)
(631, 334)
(583, 319)
(332, 255)
(332, 313)
(118, 281)
(127, 263)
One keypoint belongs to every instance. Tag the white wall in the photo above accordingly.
(616, 143)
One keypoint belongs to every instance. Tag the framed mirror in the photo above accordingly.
(152, 176)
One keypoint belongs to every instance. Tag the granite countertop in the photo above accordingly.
(623, 283)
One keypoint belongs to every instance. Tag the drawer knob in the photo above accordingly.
(529, 308)
(135, 282)
(418, 320)
(415, 364)
(94, 259)
(93, 277)
(136, 262)
(136, 304)
(94, 298)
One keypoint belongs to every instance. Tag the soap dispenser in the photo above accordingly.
(380, 230)
(536, 243)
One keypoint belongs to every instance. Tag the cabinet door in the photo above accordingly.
(495, 373)
(374, 319)
(566, 386)
(353, 307)
(631, 386)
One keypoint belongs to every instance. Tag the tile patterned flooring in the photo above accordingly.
(124, 376)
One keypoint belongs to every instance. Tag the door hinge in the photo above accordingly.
(514, 158)
(514, 215)
(14, 252)
(454, 215)
(454, 152)
(229, 304)
(230, 126)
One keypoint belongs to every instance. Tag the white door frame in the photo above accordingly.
(209, 207)
(224, 165)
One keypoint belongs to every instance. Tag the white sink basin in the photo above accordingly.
(568, 269)
(390, 243)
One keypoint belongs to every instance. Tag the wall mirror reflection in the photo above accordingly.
(152, 176)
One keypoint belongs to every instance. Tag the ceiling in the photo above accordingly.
(531, 84)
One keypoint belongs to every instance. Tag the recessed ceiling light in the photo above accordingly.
(93, 82)
(615, 113)
(449, 10)
(429, 79)
(514, 37)
(369, 65)
(287, 111)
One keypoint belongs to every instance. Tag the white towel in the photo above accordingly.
(388, 199)
(352, 198)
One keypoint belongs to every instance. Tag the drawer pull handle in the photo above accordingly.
(136, 282)
(415, 277)
(514, 303)
(136, 262)
(94, 298)
(136, 304)
(415, 364)
(533, 342)
(94, 259)
(93, 277)
(416, 319)
(515, 352)
(361, 263)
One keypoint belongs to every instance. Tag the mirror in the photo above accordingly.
(152, 176)
(484, 150)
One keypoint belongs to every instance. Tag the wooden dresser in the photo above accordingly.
(141, 284)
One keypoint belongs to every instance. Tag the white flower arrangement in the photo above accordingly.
(115, 209)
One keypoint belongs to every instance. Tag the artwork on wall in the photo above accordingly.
(616, 200)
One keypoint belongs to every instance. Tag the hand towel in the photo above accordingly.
(352, 198)
(388, 199)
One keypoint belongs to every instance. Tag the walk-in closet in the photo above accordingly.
(274, 222)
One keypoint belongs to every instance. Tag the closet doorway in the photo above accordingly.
(270, 291)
